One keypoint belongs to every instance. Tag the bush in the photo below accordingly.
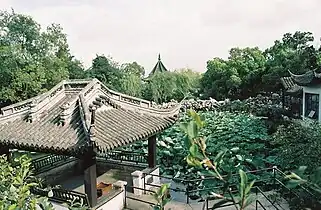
(270, 108)
(16, 180)
(297, 144)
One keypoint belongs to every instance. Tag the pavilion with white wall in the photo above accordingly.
(308, 85)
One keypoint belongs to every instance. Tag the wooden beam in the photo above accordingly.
(152, 152)
(90, 178)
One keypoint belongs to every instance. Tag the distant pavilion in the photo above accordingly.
(308, 87)
(158, 68)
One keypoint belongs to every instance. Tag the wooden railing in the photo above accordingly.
(125, 156)
(49, 162)
(62, 196)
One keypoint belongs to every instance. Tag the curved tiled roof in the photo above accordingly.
(310, 77)
(290, 86)
(62, 121)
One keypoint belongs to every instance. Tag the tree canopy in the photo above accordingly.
(33, 59)
(248, 71)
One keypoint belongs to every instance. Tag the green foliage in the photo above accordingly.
(15, 182)
(160, 87)
(165, 86)
(133, 68)
(294, 52)
(266, 107)
(297, 144)
(248, 71)
(76, 69)
(245, 189)
(198, 158)
(131, 84)
(31, 60)
(162, 197)
(238, 76)
(219, 81)
(302, 180)
(187, 83)
(243, 134)
(106, 71)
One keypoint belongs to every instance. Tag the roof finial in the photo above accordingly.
(159, 57)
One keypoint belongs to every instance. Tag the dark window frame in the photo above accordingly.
(312, 104)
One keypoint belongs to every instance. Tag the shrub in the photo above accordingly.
(16, 181)
(297, 144)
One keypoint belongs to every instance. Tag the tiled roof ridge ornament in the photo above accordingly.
(33, 109)
(92, 130)
(65, 113)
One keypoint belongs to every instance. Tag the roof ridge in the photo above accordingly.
(133, 103)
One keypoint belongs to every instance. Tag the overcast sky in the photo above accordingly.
(187, 33)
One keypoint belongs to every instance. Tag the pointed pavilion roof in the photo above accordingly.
(74, 113)
(158, 68)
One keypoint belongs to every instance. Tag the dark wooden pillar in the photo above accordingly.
(152, 152)
(283, 98)
(4, 150)
(90, 177)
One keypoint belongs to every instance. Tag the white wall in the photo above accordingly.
(138, 179)
(117, 203)
(58, 206)
(313, 90)
(156, 180)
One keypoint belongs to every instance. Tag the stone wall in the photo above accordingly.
(197, 105)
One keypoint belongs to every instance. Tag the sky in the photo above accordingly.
(187, 33)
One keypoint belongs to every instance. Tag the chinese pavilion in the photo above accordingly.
(81, 118)
(308, 86)
(158, 68)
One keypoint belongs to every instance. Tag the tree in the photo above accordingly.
(187, 83)
(131, 84)
(31, 60)
(237, 77)
(293, 52)
(107, 71)
(133, 68)
(248, 71)
(219, 81)
(76, 69)
(250, 65)
(160, 87)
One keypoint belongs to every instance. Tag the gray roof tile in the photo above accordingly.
(119, 119)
